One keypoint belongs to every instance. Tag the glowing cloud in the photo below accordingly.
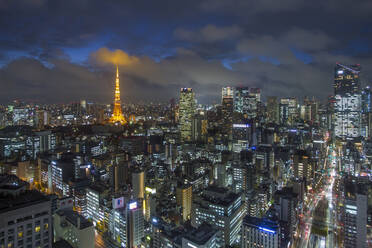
(116, 57)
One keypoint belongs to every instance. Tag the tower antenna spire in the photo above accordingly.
(117, 115)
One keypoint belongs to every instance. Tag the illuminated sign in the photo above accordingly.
(154, 220)
(118, 202)
(132, 205)
(318, 141)
(150, 190)
(241, 125)
(191, 245)
(340, 72)
(266, 230)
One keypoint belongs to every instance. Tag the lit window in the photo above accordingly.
(46, 226)
(20, 234)
(37, 228)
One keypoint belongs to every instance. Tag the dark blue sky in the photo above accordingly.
(56, 51)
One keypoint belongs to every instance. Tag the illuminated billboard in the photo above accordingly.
(118, 202)
(132, 205)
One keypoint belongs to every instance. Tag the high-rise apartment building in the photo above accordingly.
(184, 200)
(187, 109)
(347, 101)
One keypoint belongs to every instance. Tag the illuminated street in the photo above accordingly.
(305, 237)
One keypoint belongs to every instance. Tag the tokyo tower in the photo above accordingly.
(117, 115)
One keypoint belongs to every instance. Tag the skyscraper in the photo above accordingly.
(272, 109)
(138, 182)
(186, 112)
(184, 200)
(347, 79)
(292, 108)
(117, 115)
(240, 101)
(347, 101)
(227, 92)
(366, 106)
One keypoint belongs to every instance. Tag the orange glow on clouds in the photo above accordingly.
(115, 57)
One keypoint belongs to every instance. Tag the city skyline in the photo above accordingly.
(185, 124)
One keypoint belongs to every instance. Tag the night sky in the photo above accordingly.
(60, 51)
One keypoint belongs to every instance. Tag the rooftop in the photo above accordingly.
(263, 224)
(201, 235)
(24, 199)
(74, 217)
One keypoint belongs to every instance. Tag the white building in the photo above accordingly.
(348, 115)
(257, 232)
(74, 228)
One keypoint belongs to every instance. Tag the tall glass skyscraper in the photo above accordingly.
(348, 101)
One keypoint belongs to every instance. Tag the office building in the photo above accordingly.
(205, 236)
(355, 214)
(302, 166)
(221, 208)
(184, 200)
(241, 100)
(366, 107)
(288, 110)
(74, 228)
(239, 177)
(272, 109)
(138, 184)
(25, 215)
(260, 232)
(227, 92)
(94, 196)
(187, 109)
(227, 109)
(348, 101)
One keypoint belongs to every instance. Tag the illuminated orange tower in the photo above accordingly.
(117, 115)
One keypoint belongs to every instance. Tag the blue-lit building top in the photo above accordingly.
(263, 224)
(260, 232)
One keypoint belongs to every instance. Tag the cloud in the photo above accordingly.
(158, 56)
(104, 56)
(209, 33)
